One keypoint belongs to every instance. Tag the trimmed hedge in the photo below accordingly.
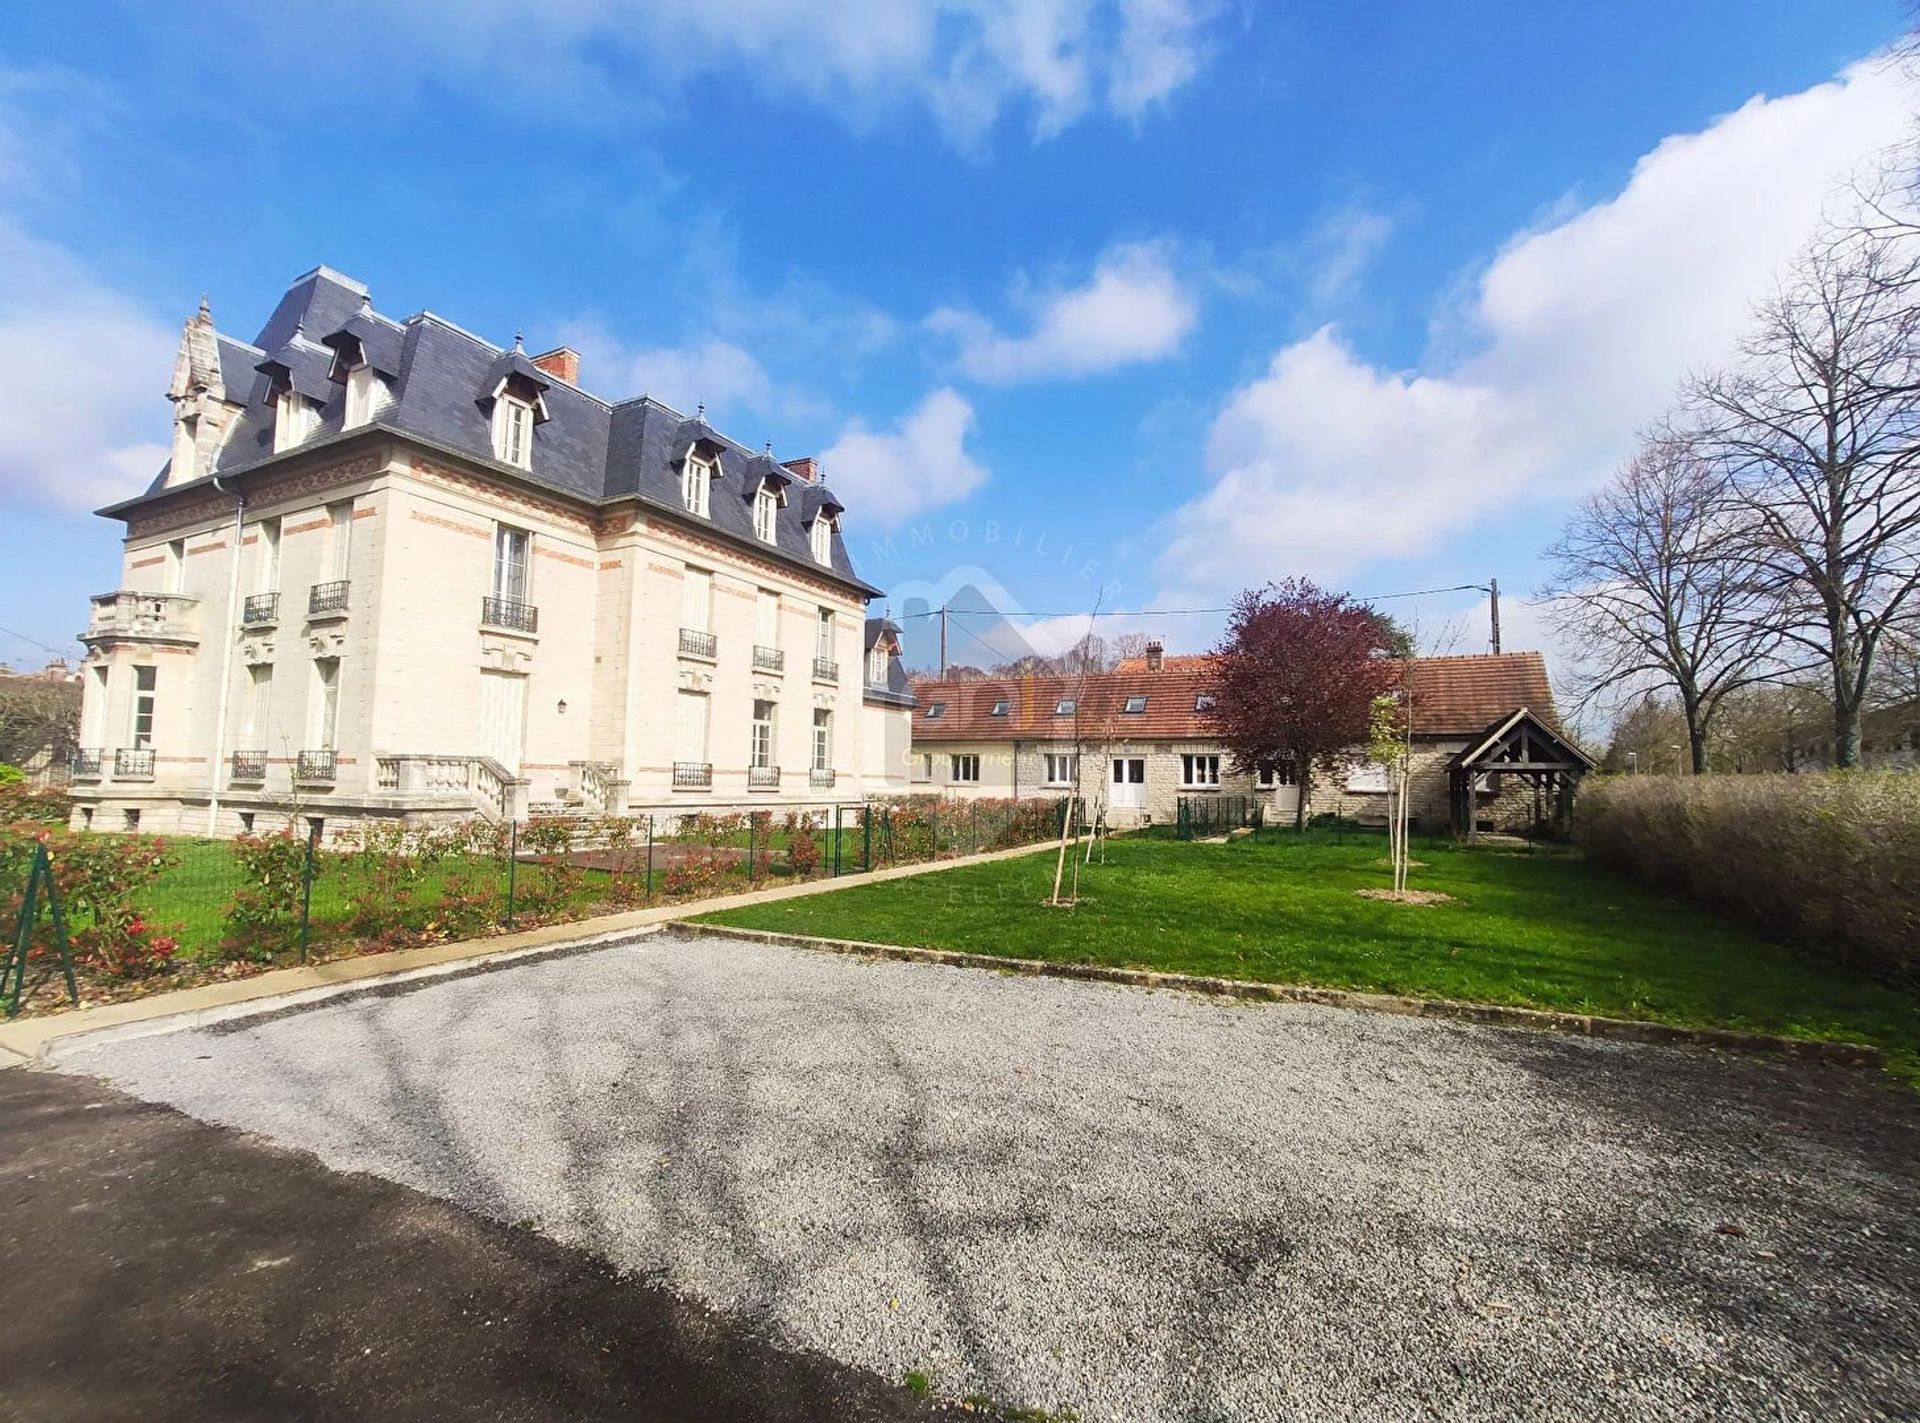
(1830, 860)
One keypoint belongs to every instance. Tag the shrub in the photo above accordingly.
(20, 802)
(98, 877)
(803, 843)
(1831, 860)
(264, 913)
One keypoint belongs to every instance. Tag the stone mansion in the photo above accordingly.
(392, 569)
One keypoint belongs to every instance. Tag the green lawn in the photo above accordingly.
(1543, 930)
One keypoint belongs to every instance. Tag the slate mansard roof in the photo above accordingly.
(442, 379)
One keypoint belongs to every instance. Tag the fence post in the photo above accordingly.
(306, 890)
(513, 865)
(751, 815)
(866, 836)
(649, 857)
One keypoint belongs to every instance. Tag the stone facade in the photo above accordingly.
(355, 623)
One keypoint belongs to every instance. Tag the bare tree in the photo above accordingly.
(1651, 591)
(1818, 431)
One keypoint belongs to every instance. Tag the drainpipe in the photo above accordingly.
(226, 658)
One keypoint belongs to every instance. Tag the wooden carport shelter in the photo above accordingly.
(1519, 744)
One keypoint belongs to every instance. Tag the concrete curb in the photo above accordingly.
(27, 1040)
(1840, 1054)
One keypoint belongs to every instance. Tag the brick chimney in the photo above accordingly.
(1156, 656)
(806, 467)
(562, 363)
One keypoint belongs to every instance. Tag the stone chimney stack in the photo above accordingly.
(201, 411)
(806, 467)
(562, 363)
(1156, 656)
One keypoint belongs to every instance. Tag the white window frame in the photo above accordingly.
(294, 419)
(512, 563)
(267, 560)
(693, 712)
(364, 392)
(696, 486)
(825, 635)
(1129, 709)
(822, 739)
(513, 431)
(176, 565)
(760, 750)
(339, 539)
(925, 763)
(323, 724)
(259, 703)
(696, 607)
(820, 539)
(766, 619)
(145, 708)
(766, 514)
(877, 665)
(967, 762)
(1203, 764)
(1063, 768)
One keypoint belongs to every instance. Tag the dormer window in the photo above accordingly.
(1134, 707)
(294, 420)
(366, 392)
(823, 539)
(766, 511)
(877, 665)
(513, 431)
(696, 481)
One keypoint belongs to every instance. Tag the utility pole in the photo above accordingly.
(1493, 597)
(943, 642)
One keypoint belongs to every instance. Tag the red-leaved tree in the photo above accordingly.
(1295, 679)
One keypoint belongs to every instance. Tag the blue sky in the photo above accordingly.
(1160, 297)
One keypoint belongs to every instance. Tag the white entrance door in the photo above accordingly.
(503, 718)
(1129, 790)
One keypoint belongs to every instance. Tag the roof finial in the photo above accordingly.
(516, 341)
(206, 312)
(700, 412)
(768, 450)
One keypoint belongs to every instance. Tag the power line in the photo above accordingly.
(35, 642)
(1173, 612)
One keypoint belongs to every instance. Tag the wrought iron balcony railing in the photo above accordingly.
(825, 669)
(692, 774)
(510, 613)
(84, 765)
(695, 643)
(315, 766)
(763, 778)
(260, 610)
(820, 780)
(249, 765)
(769, 659)
(325, 598)
(133, 763)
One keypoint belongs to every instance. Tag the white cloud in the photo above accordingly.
(922, 464)
(1573, 337)
(1133, 308)
(1342, 245)
(85, 369)
(967, 62)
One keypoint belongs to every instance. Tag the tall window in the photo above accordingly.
(1199, 770)
(1062, 768)
(266, 561)
(293, 421)
(324, 718)
(761, 754)
(693, 727)
(822, 536)
(766, 510)
(176, 565)
(96, 703)
(253, 730)
(823, 636)
(339, 538)
(963, 770)
(513, 431)
(364, 391)
(822, 739)
(510, 547)
(695, 483)
(877, 665)
(696, 599)
(146, 681)
(766, 619)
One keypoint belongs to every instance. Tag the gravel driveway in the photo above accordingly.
(1135, 1205)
